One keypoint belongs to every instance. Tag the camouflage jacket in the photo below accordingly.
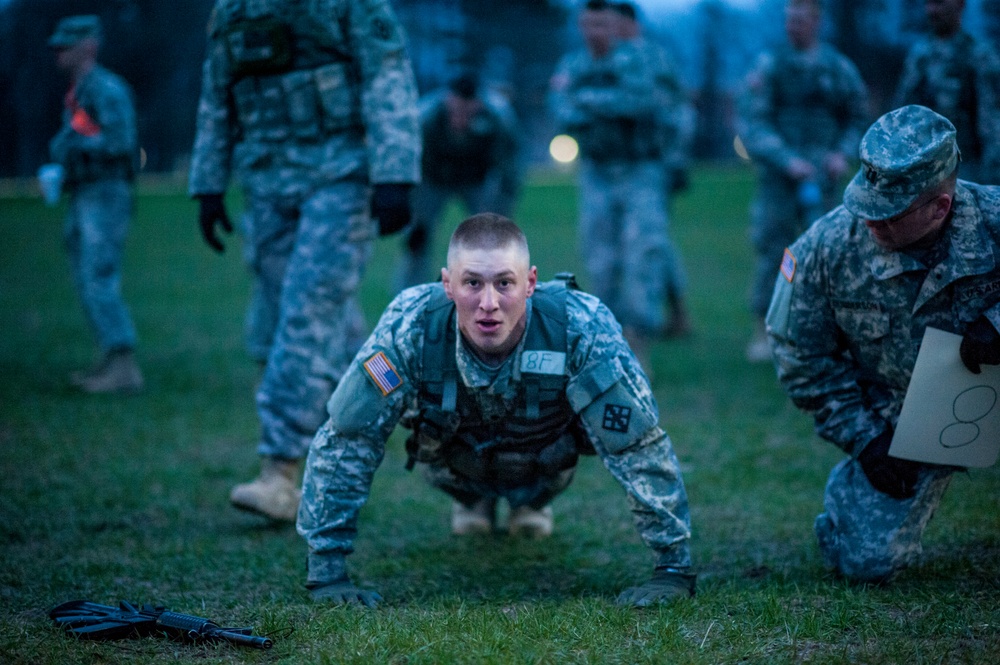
(802, 104)
(608, 104)
(959, 78)
(98, 137)
(847, 317)
(298, 96)
(603, 377)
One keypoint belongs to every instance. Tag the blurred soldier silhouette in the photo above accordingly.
(313, 106)
(604, 96)
(959, 77)
(802, 114)
(470, 146)
(97, 148)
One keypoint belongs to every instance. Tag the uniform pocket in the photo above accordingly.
(337, 97)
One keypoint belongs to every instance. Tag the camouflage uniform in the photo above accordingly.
(602, 376)
(796, 104)
(480, 168)
(308, 104)
(98, 157)
(609, 106)
(959, 78)
(846, 322)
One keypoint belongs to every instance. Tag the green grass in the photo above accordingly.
(106, 498)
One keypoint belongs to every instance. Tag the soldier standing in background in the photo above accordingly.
(97, 148)
(802, 114)
(959, 77)
(470, 145)
(314, 107)
(669, 128)
(604, 96)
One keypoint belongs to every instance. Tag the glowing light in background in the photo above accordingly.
(564, 149)
(740, 149)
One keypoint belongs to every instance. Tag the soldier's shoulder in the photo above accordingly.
(986, 197)
(407, 309)
(830, 235)
(105, 81)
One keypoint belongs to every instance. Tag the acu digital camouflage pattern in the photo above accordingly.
(846, 329)
(98, 169)
(609, 106)
(309, 103)
(903, 153)
(601, 370)
(803, 105)
(959, 77)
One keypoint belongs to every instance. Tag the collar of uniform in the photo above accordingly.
(477, 374)
(970, 250)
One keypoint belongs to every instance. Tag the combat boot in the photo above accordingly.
(119, 373)
(530, 523)
(479, 519)
(759, 348)
(274, 493)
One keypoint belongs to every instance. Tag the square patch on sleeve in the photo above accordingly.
(788, 265)
(383, 373)
(616, 418)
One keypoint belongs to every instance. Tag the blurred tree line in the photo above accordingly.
(158, 47)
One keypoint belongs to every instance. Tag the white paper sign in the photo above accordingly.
(950, 415)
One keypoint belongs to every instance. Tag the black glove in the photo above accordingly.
(667, 584)
(390, 205)
(889, 475)
(980, 345)
(212, 211)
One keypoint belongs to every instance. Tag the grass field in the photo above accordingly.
(126, 498)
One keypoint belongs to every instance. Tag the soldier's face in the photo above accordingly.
(920, 221)
(490, 288)
(461, 111)
(599, 29)
(945, 16)
(801, 26)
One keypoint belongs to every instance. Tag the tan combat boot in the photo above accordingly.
(119, 373)
(478, 519)
(274, 493)
(530, 523)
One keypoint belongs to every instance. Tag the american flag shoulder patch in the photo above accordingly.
(383, 373)
(788, 265)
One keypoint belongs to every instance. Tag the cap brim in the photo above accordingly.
(865, 202)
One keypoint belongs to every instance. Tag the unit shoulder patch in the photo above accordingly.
(788, 265)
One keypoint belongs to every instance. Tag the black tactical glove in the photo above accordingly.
(667, 584)
(390, 205)
(889, 475)
(980, 345)
(212, 211)
(328, 582)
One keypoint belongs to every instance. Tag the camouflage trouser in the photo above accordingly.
(866, 535)
(467, 491)
(674, 276)
(776, 221)
(325, 238)
(416, 266)
(96, 226)
(623, 239)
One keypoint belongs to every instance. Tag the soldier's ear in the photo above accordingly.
(532, 280)
(446, 281)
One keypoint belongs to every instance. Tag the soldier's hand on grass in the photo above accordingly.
(889, 475)
(666, 585)
(212, 212)
(343, 592)
(980, 345)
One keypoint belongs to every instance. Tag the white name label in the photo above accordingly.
(543, 362)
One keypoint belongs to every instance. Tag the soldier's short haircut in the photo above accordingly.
(487, 230)
(597, 5)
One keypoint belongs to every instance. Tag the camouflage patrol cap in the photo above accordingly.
(73, 29)
(903, 153)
